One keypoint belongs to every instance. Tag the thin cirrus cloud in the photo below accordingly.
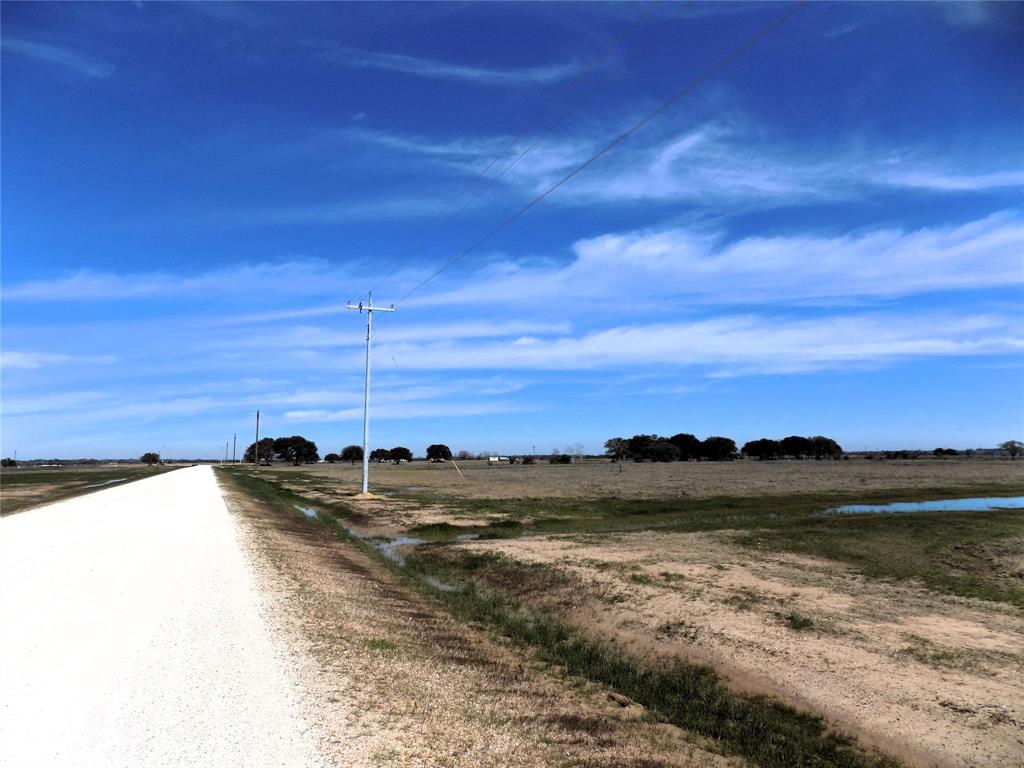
(442, 70)
(292, 276)
(34, 360)
(717, 166)
(67, 59)
(712, 163)
(413, 411)
(697, 264)
(736, 345)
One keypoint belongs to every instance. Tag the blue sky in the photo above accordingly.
(824, 237)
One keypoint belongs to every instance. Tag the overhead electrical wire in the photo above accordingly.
(438, 222)
(691, 85)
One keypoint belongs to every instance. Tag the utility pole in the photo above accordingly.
(370, 309)
(256, 447)
(234, 444)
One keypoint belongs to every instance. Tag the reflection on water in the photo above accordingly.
(941, 505)
(105, 482)
(389, 548)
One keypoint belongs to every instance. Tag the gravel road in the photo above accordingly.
(133, 633)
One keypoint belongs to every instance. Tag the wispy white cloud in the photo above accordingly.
(693, 263)
(412, 411)
(442, 70)
(314, 336)
(744, 344)
(940, 181)
(32, 360)
(69, 59)
(711, 164)
(53, 402)
(289, 277)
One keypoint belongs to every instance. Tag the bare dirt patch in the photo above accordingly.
(934, 679)
(401, 683)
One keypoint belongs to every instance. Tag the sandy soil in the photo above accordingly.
(933, 679)
(398, 682)
(602, 479)
(135, 634)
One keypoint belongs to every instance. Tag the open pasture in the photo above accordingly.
(602, 479)
(866, 620)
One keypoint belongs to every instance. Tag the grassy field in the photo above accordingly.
(22, 489)
(601, 479)
(858, 619)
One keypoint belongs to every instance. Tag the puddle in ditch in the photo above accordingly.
(389, 548)
(106, 482)
(941, 505)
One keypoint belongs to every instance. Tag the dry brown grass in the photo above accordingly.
(596, 479)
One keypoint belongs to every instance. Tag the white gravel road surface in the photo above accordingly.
(133, 633)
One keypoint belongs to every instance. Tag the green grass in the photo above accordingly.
(797, 621)
(48, 486)
(690, 696)
(960, 553)
(381, 645)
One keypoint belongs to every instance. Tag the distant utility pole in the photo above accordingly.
(256, 447)
(370, 309)
(234, 444)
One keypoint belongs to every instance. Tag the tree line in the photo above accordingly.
(687, 447)
(354, 453)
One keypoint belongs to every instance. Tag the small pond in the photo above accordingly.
(940, 505)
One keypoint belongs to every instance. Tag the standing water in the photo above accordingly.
(941, 505)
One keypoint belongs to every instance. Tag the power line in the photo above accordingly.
(544, 134)
(748, 43)
(438, 222)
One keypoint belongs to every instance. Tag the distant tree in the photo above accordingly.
(464, 456)
(650, 448)
(638, 445)
(825, 448)
(796, 446)
(1013, 447)
(150, 458)
(688, 446)
(900, 455)
(615, 448)
(352, 453)
(266, 451)
(763, 449)
(295, 449)
(560, 458)
(332, 458)
(945, 452)
(438, 451)
(400, 453)
(662, 450)
(380, 454)
(8, 463)
(529, 460)
(717, 448)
